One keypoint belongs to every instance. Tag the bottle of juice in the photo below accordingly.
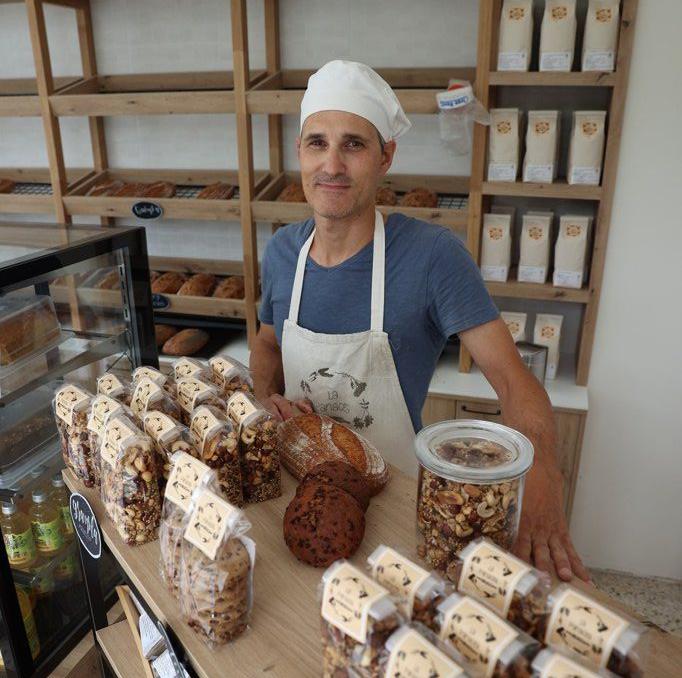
(18, 536)
(47, 524)
(59, 496)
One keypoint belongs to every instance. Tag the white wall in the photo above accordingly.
(626, 508)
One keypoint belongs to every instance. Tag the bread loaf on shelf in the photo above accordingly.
(217, 191)
(199, 285)
(186, 342)
(169, 282)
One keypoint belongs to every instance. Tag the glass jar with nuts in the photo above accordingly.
(471, 478)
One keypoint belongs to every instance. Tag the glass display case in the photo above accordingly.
(74, 302)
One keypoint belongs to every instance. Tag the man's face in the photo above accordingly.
(341, 162)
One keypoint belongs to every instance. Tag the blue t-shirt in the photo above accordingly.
(433, 290)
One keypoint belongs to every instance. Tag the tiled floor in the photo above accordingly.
(659, 600)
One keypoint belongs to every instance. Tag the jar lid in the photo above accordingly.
(474, 451)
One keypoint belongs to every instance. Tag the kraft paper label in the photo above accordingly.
(400, 576)
(184, 478)
(209, 522)
(150, 373)
(204, 426)
(146, 391)
(161, 427)
(559, 666)
(477, 633)
(584, 626)
(186, 367)
(111, 385)
(21, 548)
(103, 408)
(116, 436)
(491, 574)
(415, 657)
(239, 407)
(192, 391)
(348, 596)
(68, 400)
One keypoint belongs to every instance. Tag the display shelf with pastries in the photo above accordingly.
(416, 88)
(438, 199)
(211, 195)
(150, 94)
(28, 190)
(526, 189)
(19, 96)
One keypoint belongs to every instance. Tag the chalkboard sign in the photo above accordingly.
(86, 525)
(147, 210)
(159, 301)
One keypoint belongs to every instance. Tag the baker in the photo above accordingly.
(356, 309)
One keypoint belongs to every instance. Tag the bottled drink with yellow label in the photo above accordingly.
(18, 536)
(47, 524)
(29, 622)
(59, 496)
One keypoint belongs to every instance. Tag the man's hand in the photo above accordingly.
(543, 533)
(284, 409)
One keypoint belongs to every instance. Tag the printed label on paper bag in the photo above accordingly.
(204, 425)
(161, 427)
(184, 478)
(348, 595)
(559, 666)
(415, 657)
(539, 174)
(191, 391)
(221, 366)
(599, 60)
(502, 171)
(512, 61)
(400, 576)
(209, 522)
(495, 273)
(477, 633)
(110, 384)
(186, 367)
(555, 61)
(572, 279)
(584, 626)
(145, 392)
(150, 373)
(103, 408)
(239, 407)
(116, 435)
(69, 400)
(491, 574)
(532, 274)
(587, 176)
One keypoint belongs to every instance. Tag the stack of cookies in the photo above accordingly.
(325, 520)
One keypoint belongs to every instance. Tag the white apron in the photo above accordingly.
(351, 377)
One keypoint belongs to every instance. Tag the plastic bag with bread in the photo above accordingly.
(310, 439)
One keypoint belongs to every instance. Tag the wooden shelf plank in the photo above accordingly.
(545, 292)
(547, 79)
(25, 199)
(118, 644)
(559, 189)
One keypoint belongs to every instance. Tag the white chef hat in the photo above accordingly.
(355, 88)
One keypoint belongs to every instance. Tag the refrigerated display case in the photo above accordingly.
(56, 329)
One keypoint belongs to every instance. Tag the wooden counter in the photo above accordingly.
(284, 638)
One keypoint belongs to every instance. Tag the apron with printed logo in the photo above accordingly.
(351, 377)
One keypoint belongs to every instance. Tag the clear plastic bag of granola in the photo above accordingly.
(216, 569)
(156, 376)
(217, 444)
(229, 375)
(115, 387)
(193, 392)
(259, 447)
(102, 408)
(415, 650)
(169, 436)
(512, 588)
(512, 651)
(553, 660)
(309, 439)
(622, 650)
(150, 396)
(70, 406)
(343, 649)
(129, 485)
(416, 591)
(188, 473)
(190, 367)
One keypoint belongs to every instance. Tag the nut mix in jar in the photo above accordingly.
(471, 477)
(507, 585)
(358, 616)
(416, 591)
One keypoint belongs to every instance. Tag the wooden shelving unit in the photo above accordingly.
(487, 84)
(274, 91)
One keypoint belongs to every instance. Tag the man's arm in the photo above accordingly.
(265, 363)
(543, 532)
